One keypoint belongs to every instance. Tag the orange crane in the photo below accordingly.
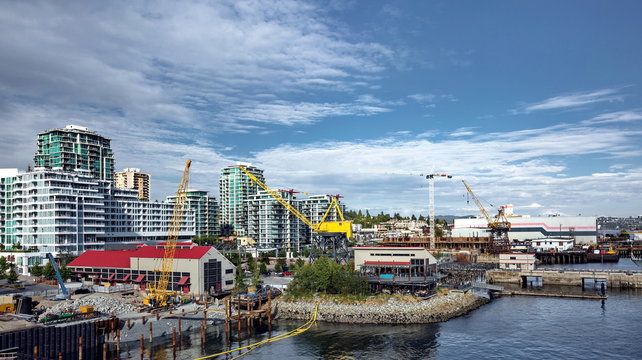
(499, 225)
(158, 295)
(333, 234)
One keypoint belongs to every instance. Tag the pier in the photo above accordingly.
(623, 279)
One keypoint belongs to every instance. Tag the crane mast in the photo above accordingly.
(158, 294)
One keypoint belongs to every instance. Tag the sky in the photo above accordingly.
(535, 104)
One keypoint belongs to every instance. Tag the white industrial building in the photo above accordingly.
(517, 261)
(583, 229)
(552, 244)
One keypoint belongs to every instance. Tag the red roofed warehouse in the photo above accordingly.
(196, 269)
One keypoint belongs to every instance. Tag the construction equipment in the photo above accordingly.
(63, 288)
(332, 234)
(158, 295)
(431, 195)
(499, 225)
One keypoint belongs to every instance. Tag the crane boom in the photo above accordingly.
(499, 222)
(158, 294)
(321, 227)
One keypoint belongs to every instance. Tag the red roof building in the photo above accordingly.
(196, 269)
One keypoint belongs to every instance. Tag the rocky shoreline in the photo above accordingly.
(436, 309)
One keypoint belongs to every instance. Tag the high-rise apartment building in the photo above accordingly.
(55, 211)
(271, 225)
(132, 178)
(76, 148)
(314, 207)
(235, 187)
(205, 209)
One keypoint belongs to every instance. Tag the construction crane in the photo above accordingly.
(331, 232)
(158, 295)
(431, 210)
(61, 282)
(499, 225)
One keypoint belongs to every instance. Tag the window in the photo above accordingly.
(229, 282)
(513, 258)
(229, 271)
(561, 243)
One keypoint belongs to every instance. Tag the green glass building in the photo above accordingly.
(235, 187)
(73, 148)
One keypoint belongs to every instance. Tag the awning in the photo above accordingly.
(139, 278)
(111, 277)
(126, 277)
(387, 263)
(183, 280)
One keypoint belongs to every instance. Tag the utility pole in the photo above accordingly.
(431, 207)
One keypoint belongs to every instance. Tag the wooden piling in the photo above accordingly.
(269, 309)
(238, 316)
(151, 333)
(35, 352)
(80, 357)
(128, 325)
(142, 346)
(60, 355)
(144, 320)
(118, 340)
(105, 351)
(174, 339)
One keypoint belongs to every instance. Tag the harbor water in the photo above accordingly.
(519, 327)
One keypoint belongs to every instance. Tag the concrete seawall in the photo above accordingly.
(436, 309)
(614, 279)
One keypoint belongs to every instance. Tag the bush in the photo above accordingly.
(36, 270)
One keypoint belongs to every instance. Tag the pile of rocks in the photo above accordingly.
(102, 304)
(439, 308)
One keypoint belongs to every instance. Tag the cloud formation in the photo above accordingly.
(572, 101)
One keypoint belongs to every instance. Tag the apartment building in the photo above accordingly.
(235, 187)
(76, 148)
(205, 209)
(132, 178)
(271, 225)
(55, 211)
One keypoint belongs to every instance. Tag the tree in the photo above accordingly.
(17, 246)
(265, 259)
(65, 273)
(13, 275)
(263, 268)
(282, 253)
(239, 280)
(256, 277)
(413, 217)
(36, 270)
(48, 271)
(251, 265)
(280, 263)
(325, 275)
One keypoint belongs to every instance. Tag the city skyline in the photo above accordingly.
(534, 105)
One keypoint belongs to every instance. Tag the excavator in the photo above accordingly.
(158, 295)
(499, 225)
(331, 235)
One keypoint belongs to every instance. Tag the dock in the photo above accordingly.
(548, 294)
(622, 279)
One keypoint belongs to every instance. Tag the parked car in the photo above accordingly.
(286, 273)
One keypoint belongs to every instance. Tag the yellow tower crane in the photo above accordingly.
(158, 295)
(343, 226)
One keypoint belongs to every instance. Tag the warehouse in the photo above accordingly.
(583, 229)
(196, 269)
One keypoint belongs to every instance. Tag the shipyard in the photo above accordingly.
(318, 179)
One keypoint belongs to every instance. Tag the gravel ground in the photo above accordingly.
(100, 302)
(436, 309)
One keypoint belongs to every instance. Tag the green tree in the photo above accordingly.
(13, 275)
(4, 265)
(263, 268)
(265, 259)
(282, 253)
(280, 263)
(325, 275)
(36, 270)
(65, 273)
(17, 246)
(48, 271)
(256, 277)
(239, 280)
(251, 265)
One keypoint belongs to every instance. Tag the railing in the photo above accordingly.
(562, 270)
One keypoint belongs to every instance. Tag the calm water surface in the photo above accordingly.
(507, 328)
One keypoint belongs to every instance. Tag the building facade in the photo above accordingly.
(314, 207)
(196, 270)
(74, 148)
(132, 178)
(61, 212)
(271, 225)
(517, 261)
(581, 228)
(235, 187)
(205, 208)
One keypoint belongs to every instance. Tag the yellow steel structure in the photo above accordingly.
(500, 222)
(158, 295)
(322, 226)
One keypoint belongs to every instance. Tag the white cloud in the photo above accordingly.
(614, 117)
(465, 131)
(572, 100)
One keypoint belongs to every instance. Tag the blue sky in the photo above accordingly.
(535, 104)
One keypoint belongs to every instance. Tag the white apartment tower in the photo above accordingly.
(271, 225)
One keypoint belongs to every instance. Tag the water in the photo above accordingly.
(517, 327)
(623, 264)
